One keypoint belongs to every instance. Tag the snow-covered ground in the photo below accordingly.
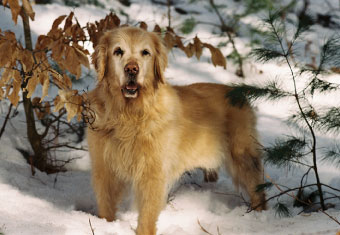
(65, 204)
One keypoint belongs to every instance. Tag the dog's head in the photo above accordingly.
(130, 59)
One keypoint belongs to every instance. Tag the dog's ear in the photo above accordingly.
(99, 58)
(161, 58)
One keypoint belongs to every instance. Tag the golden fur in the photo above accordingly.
(148, 141)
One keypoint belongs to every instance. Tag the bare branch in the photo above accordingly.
(57, 118)
(66, 146)
(92, 230)
(202, 228)
(280, 194)
(6, 119)
(169, 13)
(306, 203)
(229, 30)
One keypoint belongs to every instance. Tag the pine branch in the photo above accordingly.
(309, 113)
(310, 127)
(319, 85)
(330, 53)
(263, 187)
(332, 156)
(241, 94)
(282, 210)
(293, 196)
(283, 192)
(266, 54)
(284, 152)
(330, 121)
(329, 59)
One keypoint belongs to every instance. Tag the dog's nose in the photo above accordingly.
(131, 68)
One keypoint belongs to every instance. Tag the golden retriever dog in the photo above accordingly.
(147, 133)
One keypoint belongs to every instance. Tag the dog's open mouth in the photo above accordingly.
(130, 90)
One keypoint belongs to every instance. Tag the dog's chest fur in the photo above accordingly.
(136, 141)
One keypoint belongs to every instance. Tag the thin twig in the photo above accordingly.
(306, 203)
(66, 146)
(57, 118)
(92, 230)
(330, 187)
(228, 30)
(286, 55)
(169, 13)
(305, 175)
(280, 194)
(202, 228)
(6, 120)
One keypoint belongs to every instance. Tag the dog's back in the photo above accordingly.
(213, 126)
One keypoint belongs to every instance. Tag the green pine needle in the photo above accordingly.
(330, 54)
(285, 151)
(188, 25)
(322, 86)
(330, 121)
(242, 94)
(333, 156)
(281, 210)
(305, 21)
(263, 187)
(266, 54)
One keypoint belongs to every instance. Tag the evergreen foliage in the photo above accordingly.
(332, 156)
(242, 94)
(73, 3)
(281, 210)
(301, 151)
(330, 121)
(285, 151)
(188, 25)
(263, 187)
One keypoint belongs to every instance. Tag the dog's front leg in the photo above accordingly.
(150, 195)
(109, 190)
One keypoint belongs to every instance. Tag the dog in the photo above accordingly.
(147, 133)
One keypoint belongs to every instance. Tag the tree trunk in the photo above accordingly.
(39, 159)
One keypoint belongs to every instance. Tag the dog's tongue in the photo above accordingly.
(131, 86)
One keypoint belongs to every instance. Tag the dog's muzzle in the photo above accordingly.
(130, 89)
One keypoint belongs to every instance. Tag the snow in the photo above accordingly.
(64, 203)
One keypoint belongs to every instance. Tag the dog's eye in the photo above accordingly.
(145, 52)
(118, 51)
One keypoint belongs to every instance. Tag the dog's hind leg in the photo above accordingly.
(109, 190)
(245, 166)
(150, 195)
